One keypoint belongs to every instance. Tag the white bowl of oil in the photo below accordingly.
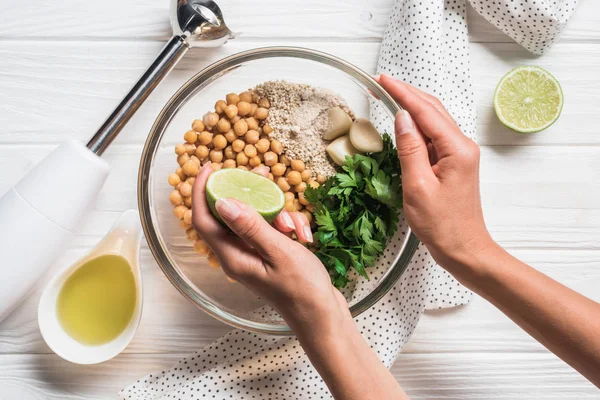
(90, 311)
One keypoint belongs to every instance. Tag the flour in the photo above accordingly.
(298, 116)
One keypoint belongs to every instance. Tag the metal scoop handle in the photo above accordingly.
(170, 54)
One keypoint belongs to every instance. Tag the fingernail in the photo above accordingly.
(287, 220)
(207, 165)
(404, 122)
(228, 209)
(307, 233)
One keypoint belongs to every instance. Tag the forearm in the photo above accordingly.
(349, 367)
(567, 323)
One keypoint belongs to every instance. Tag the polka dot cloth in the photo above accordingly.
(425, 44)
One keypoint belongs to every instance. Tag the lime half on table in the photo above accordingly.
(528, 99)
(255, 190)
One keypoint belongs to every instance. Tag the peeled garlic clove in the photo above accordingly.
(365, 137)
(338, 125)
(340, 148)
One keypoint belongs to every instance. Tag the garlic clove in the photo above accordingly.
(338, 123)
(365, 137)
(340, 148)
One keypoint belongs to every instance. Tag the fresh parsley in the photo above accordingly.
(356, 212)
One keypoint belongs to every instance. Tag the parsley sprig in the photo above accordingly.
(356, 211)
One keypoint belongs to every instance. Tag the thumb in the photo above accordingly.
(250, 226)
(412, 149)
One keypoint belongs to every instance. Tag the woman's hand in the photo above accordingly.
(440, 176)
(285, 273)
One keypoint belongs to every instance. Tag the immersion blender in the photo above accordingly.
(51, 199)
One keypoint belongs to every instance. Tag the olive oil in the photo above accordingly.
(97, 301)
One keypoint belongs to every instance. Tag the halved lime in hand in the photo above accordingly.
(255, 190)
(528, 99)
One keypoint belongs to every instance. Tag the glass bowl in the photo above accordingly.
(208, 287)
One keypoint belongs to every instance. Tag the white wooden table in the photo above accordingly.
(65, 64)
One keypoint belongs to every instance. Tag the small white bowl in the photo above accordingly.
(123, 239)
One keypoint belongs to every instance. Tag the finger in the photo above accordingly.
(284, 222)
(262, 170)
(412, 149)
(302, 227)
(433, 122)
(202, 219)
(251, 227)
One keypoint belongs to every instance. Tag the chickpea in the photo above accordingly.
(261, 156)
(289, 206)
(216, 156)
(191, 180)
(229, 164)
(205, 138)
(261, 113)
(253, 108)
(175, 197)
(264, 103)
(216, 166)
(243, 167)
(192, 234)
(294, 178)
(190, 136)
(174, 179)
(252, 123)
(270, 158)
(235, 119)
(246, 97)
(310, 207)
(283, 184)
(196, 160)
(212, 259)
(277, 147)
(271, 177)
(267, 129)
(243, 108)
(187, 217)
(184, 225)
(188, 202)
(180, 173)
(306, 175)
(220, 106)
(255, 162)
(189, 148)
(202, 152)
(302, 199)
(312, 183)
(229, 153)
(241, 159)
(190, 168)
(231, 111)
(308, 214)
(238, 145)
(178, 185)
(262, 146)
(252, 137)
(219, 142)
(301, 187)
(297, 165)
(232, 98)
(180, 149)
(240, 127)
(289, 196)
(224, 125)
(210, 119)
(182, 159)
(198, 125)
(321, 179)
(278, 169)
(255, 97)
(250, 151)
(297, 205)
(201, 247)
(230, 136)
(179, 210)
(285, 160)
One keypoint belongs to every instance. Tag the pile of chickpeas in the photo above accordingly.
(235, 135)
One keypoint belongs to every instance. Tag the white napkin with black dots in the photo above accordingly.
(426, 44)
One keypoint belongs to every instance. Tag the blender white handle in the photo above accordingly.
(166, 60)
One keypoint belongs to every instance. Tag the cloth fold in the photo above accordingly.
(425, 44)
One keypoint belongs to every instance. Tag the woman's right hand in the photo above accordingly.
(440, 177)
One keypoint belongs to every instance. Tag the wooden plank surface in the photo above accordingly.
(541, 193)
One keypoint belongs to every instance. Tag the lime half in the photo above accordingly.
(528, 99)
(255, 190)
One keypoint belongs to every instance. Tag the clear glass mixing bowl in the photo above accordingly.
(208, 287)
